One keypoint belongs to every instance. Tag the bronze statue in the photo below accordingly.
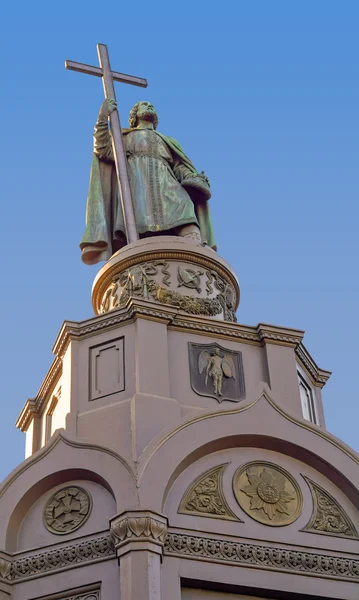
(169, 196)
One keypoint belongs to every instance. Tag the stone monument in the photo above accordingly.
(172, 452)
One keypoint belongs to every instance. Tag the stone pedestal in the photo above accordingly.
(170, 271)
(188, 427)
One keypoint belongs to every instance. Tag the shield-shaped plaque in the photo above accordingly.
(216, 372)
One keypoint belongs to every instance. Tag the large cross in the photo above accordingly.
(108, 77)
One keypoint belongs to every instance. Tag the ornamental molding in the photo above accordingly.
(33, 406)
(265, 395)
(88, 592)
(205, 497)
(262, 557)
(318, 376)
(59, 558)
(140, 308)
(61, 436)
(328, 517)
(139, 530)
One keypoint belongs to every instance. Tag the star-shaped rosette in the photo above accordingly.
(267, 492)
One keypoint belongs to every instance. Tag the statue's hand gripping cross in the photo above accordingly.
(108, 77)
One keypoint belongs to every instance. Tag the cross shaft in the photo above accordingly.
(108, 77)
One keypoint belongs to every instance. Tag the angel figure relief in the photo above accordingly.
(216, 367)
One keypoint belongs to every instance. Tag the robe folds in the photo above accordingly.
(156, 166)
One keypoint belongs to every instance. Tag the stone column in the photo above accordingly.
(139, 538)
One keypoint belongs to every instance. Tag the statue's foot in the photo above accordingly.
(190, 231)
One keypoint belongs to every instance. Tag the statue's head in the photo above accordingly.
(143, 110)
(215, 352)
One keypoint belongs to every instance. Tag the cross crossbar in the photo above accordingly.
(98, 72)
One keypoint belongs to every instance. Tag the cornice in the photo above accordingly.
(318, 376)
(260, 334)
(274, 334)
(184, 545)
(33, 406)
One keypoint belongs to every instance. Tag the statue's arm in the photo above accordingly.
(102, 137)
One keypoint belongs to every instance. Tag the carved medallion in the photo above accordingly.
(328, 516)
(205, 497)
(216, 372)
(267, 493)
(189, 278)
(67, 510)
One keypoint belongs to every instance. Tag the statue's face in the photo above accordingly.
(146, 111)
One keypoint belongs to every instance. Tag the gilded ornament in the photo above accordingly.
(328, 516)
(267, 493)
(205, 497)
(67, 510)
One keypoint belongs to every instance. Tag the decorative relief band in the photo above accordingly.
(87, 596)
(264, 557)
(73, 555)
(93, 595)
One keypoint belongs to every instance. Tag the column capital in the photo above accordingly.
(139, 530)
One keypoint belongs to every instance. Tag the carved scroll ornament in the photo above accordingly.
(205, 497)
(328, 516)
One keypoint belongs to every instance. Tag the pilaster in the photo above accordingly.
(139, 538)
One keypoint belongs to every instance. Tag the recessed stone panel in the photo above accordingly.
(107, 369)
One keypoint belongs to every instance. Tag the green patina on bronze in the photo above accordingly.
(167, 191)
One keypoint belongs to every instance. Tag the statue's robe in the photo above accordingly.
(156, 165)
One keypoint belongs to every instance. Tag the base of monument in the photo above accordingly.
(169, 270)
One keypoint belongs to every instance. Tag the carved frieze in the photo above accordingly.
(267, 493)
(95, 595)
(205, 497)
(328, 516)
(159, 280)
(273, 558)
(67, 510)
(91, 594)
(62, 558)
(216, 372)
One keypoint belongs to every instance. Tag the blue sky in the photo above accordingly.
(262, 95)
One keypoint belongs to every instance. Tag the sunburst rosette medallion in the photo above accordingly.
(267, 493)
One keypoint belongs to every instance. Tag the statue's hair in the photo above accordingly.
(133, 117)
